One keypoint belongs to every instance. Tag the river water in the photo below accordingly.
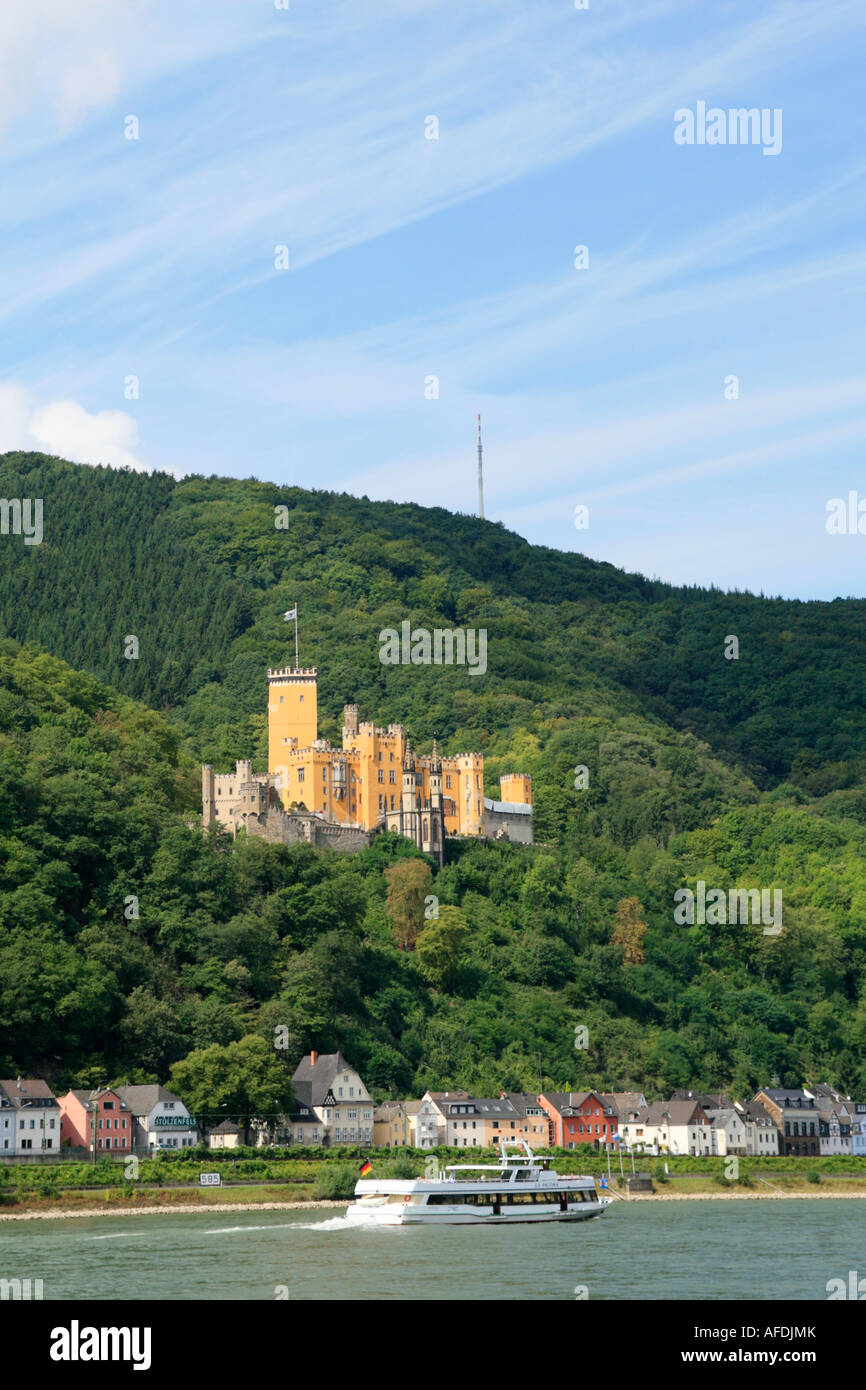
(660, 1250)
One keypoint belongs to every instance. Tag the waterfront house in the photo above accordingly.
(465, 1126)
(225, 1135)
(835, 1126)
(161, 1120)
(858, 1129)
(29, 1117)
(728, 1131)
(482, 1122)
(429, 1122)
(96, 1119)
(341, 1108)
(579, 1117)
(670, 1127)
(391, 1125)
(795, 1115)
(762, 1136)
(8, 1127)
(412, 1107)
(535, 1128)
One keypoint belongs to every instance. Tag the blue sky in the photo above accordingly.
(409, 258)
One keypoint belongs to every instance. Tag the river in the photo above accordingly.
(662, 1250)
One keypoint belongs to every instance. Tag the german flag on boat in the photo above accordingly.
(366, 1167)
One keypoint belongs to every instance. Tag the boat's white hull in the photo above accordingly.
(388, 1215)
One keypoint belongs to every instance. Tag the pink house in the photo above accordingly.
(80, 1110)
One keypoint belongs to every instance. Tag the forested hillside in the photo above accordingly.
(746, 773)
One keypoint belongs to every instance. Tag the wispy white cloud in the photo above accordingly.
(337, 156)
(65, 428)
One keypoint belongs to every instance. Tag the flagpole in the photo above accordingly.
(297, 662)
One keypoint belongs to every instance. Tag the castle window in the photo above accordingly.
(281, 699)
(391, 756)
(392, 803)
(302, 699)
(381, 774)
(300, 774)
(381, 802)
(392, 776)
(324, 774)
(448, 780)
(380, 757)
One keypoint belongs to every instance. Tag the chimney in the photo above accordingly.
(313, 1056)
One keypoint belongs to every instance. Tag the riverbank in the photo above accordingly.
(190, 1202)
(733, 1196)
(152, 1209)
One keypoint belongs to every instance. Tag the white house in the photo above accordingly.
(762, 1135)
(669, 1127)
(160, 1119)
(728, 1131)
(858, 1131)
(429, 1126)
(332, 1091)
(29, 1118)
(836, 1121)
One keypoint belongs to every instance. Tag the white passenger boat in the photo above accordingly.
(517, 1188)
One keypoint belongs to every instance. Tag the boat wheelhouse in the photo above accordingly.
(520, 1187)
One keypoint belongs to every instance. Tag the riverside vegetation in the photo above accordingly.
(133, 947)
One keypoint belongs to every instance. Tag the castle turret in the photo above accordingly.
(351, 716)
(207, 801)
(516, 788)
(435, 776)
(409, 798)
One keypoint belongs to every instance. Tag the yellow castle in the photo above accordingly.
(375, 781)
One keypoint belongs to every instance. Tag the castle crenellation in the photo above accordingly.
(344, 796)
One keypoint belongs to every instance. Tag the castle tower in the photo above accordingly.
(516, 788)
(351, 716)
(207, 798)
(435, 777)
(436, 841)
(292, 712)
(409, 797)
